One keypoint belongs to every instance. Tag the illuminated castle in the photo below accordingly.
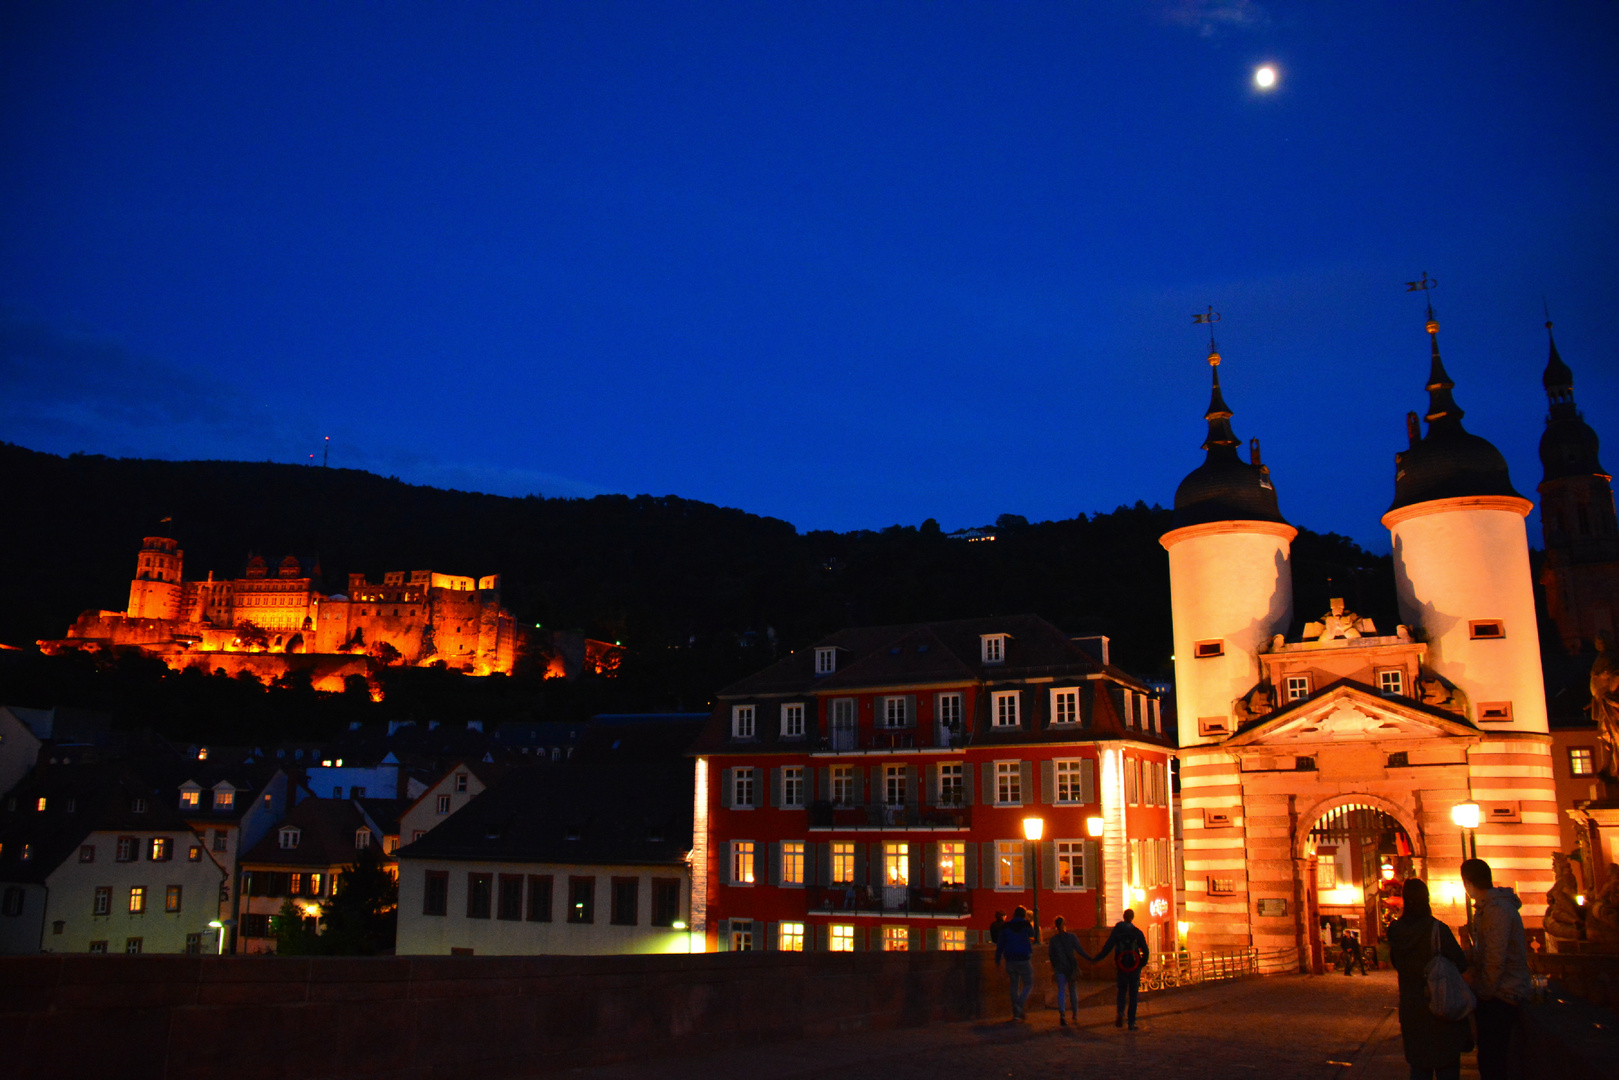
(419, 619)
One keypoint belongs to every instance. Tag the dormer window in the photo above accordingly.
(224, 800)
(826, 661)
(992, 648)
(190, 800)
(362, 839)
(137, 806)
(290, 837)
(742, 721)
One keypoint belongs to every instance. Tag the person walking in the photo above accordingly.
(1065, 951)
(1433, 1047)
(1016, 947)
(1129, 948)
(1353, 953)
(1500, 966)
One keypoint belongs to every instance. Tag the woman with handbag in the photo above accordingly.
(1433, 1044)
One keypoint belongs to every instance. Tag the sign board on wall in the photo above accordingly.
(1272, 906)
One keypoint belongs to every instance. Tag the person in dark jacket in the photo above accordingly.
(1065, 951)
(1129, 948)
(1433, 1047)
(996, 925)
(1016, 946)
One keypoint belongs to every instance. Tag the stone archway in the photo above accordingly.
(1307, 820)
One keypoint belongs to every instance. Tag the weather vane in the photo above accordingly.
(1210, 317)
(1426, 285)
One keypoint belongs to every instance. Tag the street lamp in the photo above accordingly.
(1033, 827)
(1466, 816)
(217, 924)
(1094, 827)
(681, 926)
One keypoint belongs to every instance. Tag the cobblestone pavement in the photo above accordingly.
(1327, 1027)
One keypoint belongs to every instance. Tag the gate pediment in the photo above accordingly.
(1350, 713)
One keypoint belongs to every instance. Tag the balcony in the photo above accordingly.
(882, 815)
(944, 902)
(928, 737)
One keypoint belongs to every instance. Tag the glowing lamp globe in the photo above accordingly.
(1033, 828)
(1465, 815)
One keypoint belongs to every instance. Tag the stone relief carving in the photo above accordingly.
(1562, 912)
(1338, 623)
(1258, 702)
(1605, 698)
(1432, 690)
(1602, 913)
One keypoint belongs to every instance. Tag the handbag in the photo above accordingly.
(1449, 998)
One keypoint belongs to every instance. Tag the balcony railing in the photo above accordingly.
(943, 901)
(882, 815)
(907, 738)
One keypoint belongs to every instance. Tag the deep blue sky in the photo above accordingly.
(848, 265)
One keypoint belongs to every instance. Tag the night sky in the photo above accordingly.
(850, 265)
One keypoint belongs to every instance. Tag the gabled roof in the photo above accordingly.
(601, 814)
(1345, 712)
(326, 836)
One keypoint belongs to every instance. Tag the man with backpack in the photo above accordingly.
(1016, 946)
(1129, 948)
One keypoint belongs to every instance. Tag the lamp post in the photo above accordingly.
(685, 932)
(1033, 828)
(218, 924)
(1094, 827)
(1466, 816)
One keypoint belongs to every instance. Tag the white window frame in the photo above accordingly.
(843, 862)
(1582, 761)
(1295, 688)
(741, 935)
(842, 785)
(1391, 682)
(792, 862)
(744, 723)
(790, 937)
(792, 720)
(840, 938)
(743, 782)
(952, 862)
(992, 648)
(895, 712)
(1072, 772)
(289, 837)
(1004, 711)
(1009, 783)
(1071, 854)
(792, 786)
(1065, 706)
(896, 939)
(442, 804)
(894, 785)
(1010, 875)
(897, 864)
(744, 856)
(952, 794)
(952, 939)
(950, 710)
(190, 800)
(826, 660)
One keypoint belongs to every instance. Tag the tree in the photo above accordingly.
(361, 916)
(292, 932)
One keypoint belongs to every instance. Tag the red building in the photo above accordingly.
(871, 792)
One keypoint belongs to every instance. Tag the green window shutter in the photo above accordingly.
(990, 870)
(930, 864)
(769, 936)
(913, 794)
(1093, 864)
(823, 784)
(861, 853)
(860, 939)
(966, 784)
(1026, 768)
(773, 871)
(761, 788)
(1048, 781)
(1048, 864)
(725, 935)
(931, 942)
(918, 862)
(819, 935)
(1087, 780)
(989, 783)
(910, 709)
(776, 788)
(917, 940)
(727, 788)
(859, 785)
(823, 863)
(971, 872)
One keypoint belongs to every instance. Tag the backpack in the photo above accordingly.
(1448, 996)
(1129, 956)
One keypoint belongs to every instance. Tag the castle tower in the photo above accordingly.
(1577, 518)
(155, 592)
(1231, 586)
(1461, 562)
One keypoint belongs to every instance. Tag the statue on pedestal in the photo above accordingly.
(1602, 912)
(1562, 912)
(1605, 699)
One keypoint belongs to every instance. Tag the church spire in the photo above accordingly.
(1442, 408)
(1219, 414)
(1558, 379)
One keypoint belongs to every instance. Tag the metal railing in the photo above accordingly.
(829, 815)
(1216, 965)
(877, 899)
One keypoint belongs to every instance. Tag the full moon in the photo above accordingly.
(1265, 77)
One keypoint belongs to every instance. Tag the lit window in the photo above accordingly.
(792, 786)
(1326, 869)
(443, 804)
(1071, 864)
(171, 898)
(741, 935)
(896, 939)
(741, 787)
(896, 865)
(842, 863)
(792, 720)
(843, 785)
(841, 939)
(742, 721)
(1070, 781)
(162, 849)
(741, 862)
(39, 804)
(1009, 783)
(792, 862)
(1065, 706)
(1581, 761)
(952, 939)
(137, 900)
(1296, 687)
(1391, 682)
(194, 853)
(790, 937)
(224, 800)
(87, 853)
(951, 791)
(103, 901)
(1004, 708)
(190, 800)
(952, 862)
(894, 785)
(1009, 864)
(826, 661)
(993, 648)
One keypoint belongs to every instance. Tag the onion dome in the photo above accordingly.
(1569, 446)
(1450, 462)
(1224, 487)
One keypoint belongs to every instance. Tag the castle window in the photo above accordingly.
(1297, 687)
(1581, 761)
(1391, 682)
(1304, 764)
(1209, 726)
(1205, 649)
(1486, 629)
(1495, 712)
(1400, 759)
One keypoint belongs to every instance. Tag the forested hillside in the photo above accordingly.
(699, 594)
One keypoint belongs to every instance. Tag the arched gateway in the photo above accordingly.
(1352, 853)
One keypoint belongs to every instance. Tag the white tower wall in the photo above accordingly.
(1228, 581)
(1463, 560)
